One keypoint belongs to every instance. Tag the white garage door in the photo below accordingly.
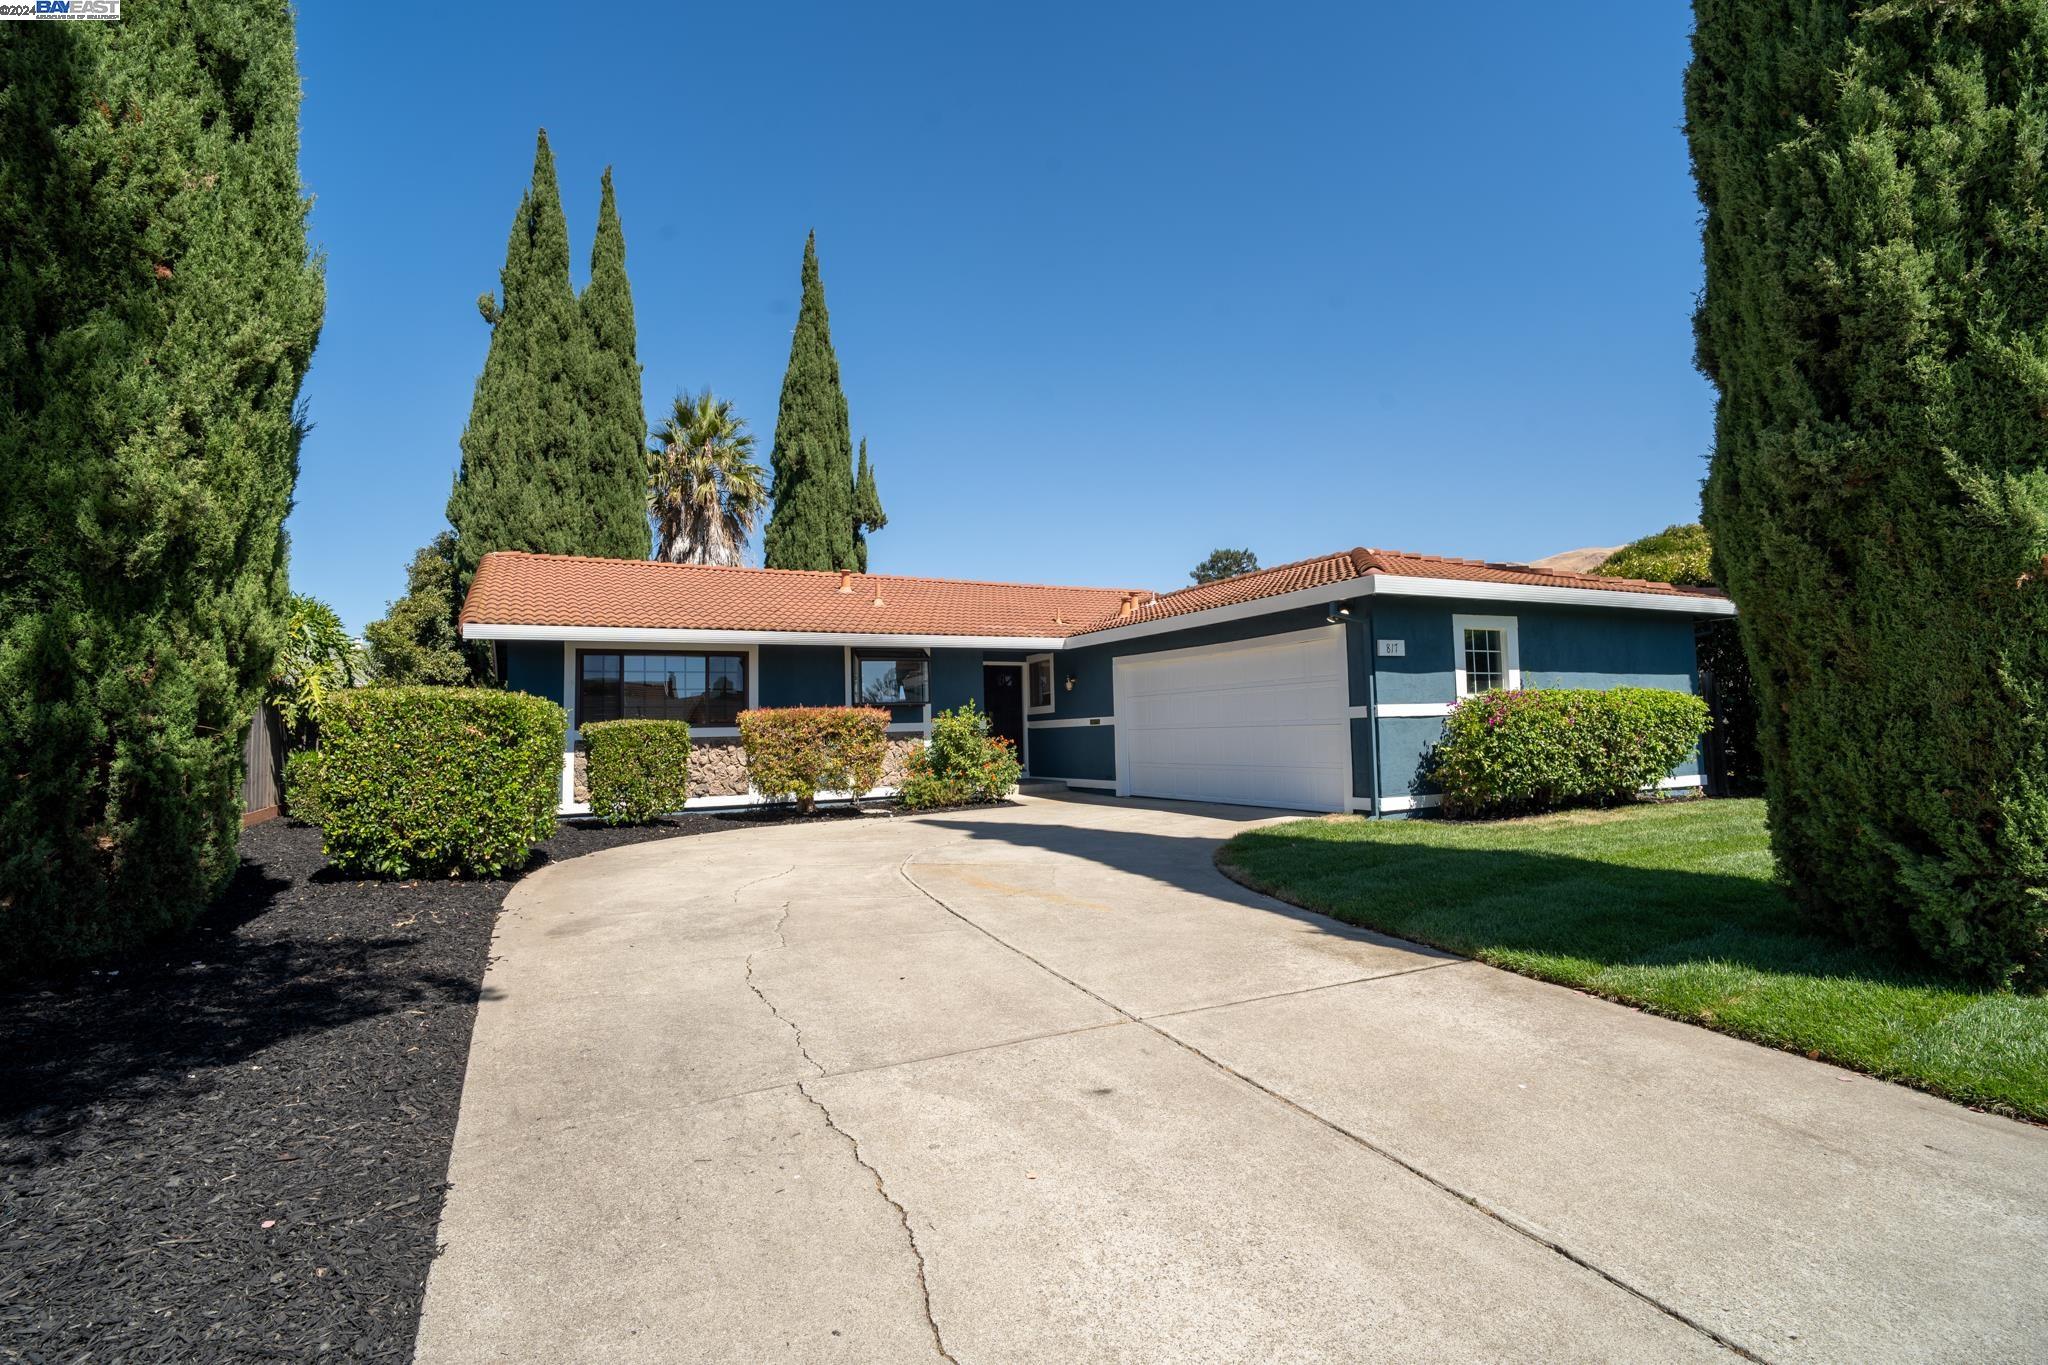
(1260, 723)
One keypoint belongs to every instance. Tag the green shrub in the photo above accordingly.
(962, 763)
(795, 752)
(1510, 753)
(302, 786)
(159, 306)
(424, 781)
(639, 770)
(1676, 554)
(1876, 254)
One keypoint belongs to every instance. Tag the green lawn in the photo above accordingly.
(1669, 907)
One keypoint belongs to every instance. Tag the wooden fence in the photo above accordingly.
(263, 768)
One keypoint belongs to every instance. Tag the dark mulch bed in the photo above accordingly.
(234, 1146)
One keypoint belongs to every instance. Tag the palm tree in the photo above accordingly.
(703, 488)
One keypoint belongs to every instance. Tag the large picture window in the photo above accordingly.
(703, 689)
(890, 680)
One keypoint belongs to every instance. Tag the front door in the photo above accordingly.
(1003, 686)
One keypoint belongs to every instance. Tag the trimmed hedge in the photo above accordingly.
(795, 752)
(1513, 753)
(429, 781)
(961, 764)
(639, 770)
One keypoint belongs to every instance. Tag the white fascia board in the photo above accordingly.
(1238, 611)
(1390, 585)
(639, 635)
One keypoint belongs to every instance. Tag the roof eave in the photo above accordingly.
(1380, 584)
(594, 635)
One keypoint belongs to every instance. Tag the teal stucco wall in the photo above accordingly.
(1559, 647)
(535, 666)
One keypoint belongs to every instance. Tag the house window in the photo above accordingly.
(1487, 653)
(703, 689)
(890, 680)
(1038, 683)
(1486, 659)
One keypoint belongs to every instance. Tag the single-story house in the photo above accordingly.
(1318, 685)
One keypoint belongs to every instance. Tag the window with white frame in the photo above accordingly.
(1038, 683)
(890, 680)
(1486, 654)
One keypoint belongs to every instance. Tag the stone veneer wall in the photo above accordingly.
(718, 767)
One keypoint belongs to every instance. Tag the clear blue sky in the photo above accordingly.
(1110, 285)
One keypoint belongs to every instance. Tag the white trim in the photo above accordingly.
(1676, 783)
(668, 637)
(1388, 803)
(1238, 611)
(1392, 585)
(569, 734)
(751, 799)
(846, 673)
(1069, 721)
(1094, 784)
(1396, 710)
(1510, 648)
(1052, 690)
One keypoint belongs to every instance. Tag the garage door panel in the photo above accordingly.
(1261, 724)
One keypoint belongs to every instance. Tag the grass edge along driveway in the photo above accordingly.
(1669, 907)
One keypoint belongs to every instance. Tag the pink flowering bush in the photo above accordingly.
(1514, 753)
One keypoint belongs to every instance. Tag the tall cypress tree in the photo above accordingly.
(158, 310)
(812, 526)
(618, 430)
(541, 458)
(1876, 242)
(867, 508)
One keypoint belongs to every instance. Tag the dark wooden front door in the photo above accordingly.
(1003, 686)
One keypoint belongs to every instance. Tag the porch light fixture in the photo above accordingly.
(1070, 682)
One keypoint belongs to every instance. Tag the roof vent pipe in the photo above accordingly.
(846, 580)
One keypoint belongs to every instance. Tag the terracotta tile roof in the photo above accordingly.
(1364, 563)
(513, 588)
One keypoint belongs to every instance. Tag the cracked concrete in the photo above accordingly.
(902, 1216)
(1041, 1077)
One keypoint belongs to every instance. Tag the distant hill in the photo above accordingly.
(1576, 561)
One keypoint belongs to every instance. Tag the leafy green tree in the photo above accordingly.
(158, 311)
(418, 640)
(1224, 564)
(1676, 554)
(867, 508)
(1876, 233)
(618, 419)
(812, 460)
(542, 467)
(704, 489)
(316, 661)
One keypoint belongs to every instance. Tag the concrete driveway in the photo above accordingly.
(1038, 1084)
